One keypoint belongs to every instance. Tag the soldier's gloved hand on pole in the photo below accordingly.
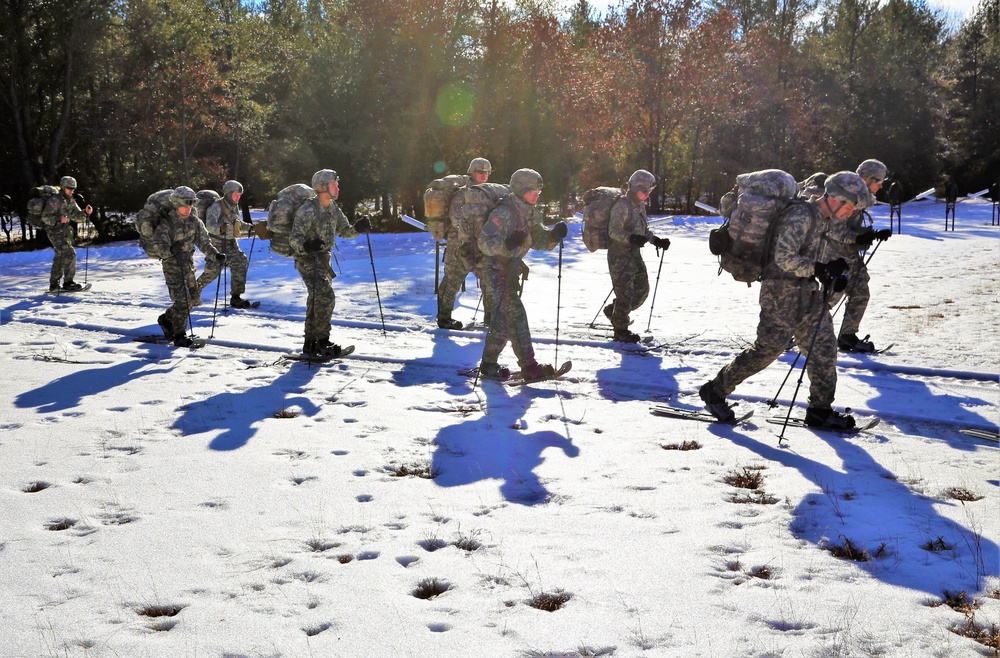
(516, 239)
(220, 257)
(661, 243)
(828, 272)
(177, 247)
(637, 240)
(559, 230)
(883, 234)
(312, 245)
(363, 225)
(865, 238)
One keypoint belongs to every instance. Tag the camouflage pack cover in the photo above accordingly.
(597, 214)
(205, 199)
(743, 243)
(437, 203)
(157, 207)
(36, 203)
(281, 213)
(471, 207)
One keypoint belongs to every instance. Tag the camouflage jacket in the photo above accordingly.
(514, 214)
(58, 206)
(798, 242)
(627, 219)
(220, 217)
(189, 232)
(841, 240)
(312, 220)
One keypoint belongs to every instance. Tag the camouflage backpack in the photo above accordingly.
(744, 242)
(156, 209)
(281, 214)
(471, 208)
(205, 199)
(37, 198)
(596, 215)
(437, 203)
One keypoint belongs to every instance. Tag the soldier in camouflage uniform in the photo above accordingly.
(58, 216)
(460, 256)
(315, 227)
(512, 228)
(627, 233)
(792, 304)
(174, 241)
(848, 240)
(222, 219)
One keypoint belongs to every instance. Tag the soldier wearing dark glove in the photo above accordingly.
(661, 243)
(312, 245)
(559, 230)
(363, 225)
(636, 240)
(220, 257)
(516, 239)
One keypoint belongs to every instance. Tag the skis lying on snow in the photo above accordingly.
(159, 339)
(987, 435)
(68, 293)
(801, 422)
(516, 379)
(693, 414)
(312, 358)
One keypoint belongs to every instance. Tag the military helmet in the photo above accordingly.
(480, 164)
(322, 178)
(524, 181)
(183, 196)
(231, 186)
(67, 181)
(641, 181)
(847, 186)
(872, 169)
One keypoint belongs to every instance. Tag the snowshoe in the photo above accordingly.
(535, 372)
(71, 286)
(829, 419)
(626, 336)
(238, 302)
(448, 323)
(851, 343)
(325, 349)
(716, 404)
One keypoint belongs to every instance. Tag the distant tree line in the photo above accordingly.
(131, 96)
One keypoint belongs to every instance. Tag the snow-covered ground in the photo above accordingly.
(152, 504)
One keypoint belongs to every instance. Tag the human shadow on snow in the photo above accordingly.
(869, 506)
(490, 448)
(241, 412)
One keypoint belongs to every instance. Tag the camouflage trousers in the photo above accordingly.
(629, 280)
(178, 271)
(236, 261)
(64, 262)
(318, 275)
(857, 294)
(459, 260)
(508, 319)
(790, 308)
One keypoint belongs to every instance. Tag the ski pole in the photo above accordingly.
(86, 227)
(867, 260)
(819, 323)
(656, 287)
(375, 277)
(218, 282)
(558, 303)
(225, 295)
(187, 295)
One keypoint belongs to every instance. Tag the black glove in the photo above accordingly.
(661, 243)
(827, 272)
(559, 231)
(220, 257)
(637, 240)
(865, 238)
(883, 234)
(363, 225)
(840, 283)
(312, 245)
(177, 248)
(516, 239)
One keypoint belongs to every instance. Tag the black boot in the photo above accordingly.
(851, 343)
(626, 336)
(536, 372)
(448, 323)
(71, 286)
(309, 346)
(326, 349)
(829, 419)
(493, 371)
(165, 326)
(715, 403)
(180, 340)
(238, 302)
(53, 286)
(609, 311)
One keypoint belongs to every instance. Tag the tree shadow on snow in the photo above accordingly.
(490, 448)
(240, 412)
(868, 505)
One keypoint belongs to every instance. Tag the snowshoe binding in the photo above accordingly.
(448, 323)
(716, 404)
(828, 419)
(851, 343)
(494, 371)
(238, 302)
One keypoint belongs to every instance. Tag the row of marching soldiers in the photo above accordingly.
(796, 283)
